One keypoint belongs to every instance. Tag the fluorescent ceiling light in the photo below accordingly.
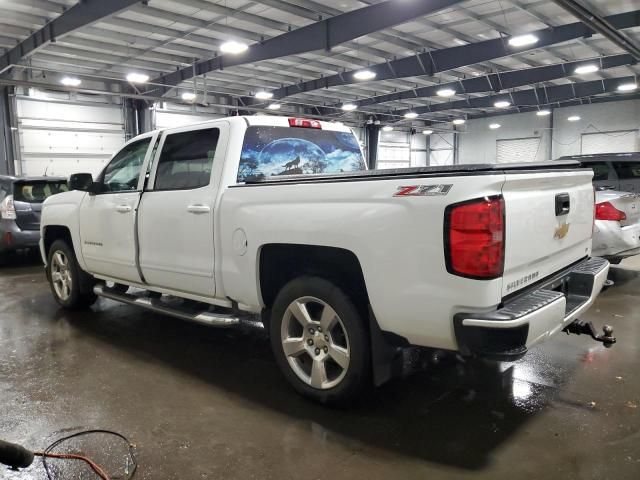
(627, 87)
(543, 113)
(590, 68)
(411, 115)
(387, 128)
(188, 96)
(459, 121)
(494, 126)
(233, 47)
(523, 40)
(502, 104)
(137, 78)
(70, 81)
(274, 106)
(364, 75)
(262, 95)
(427, 132)
(573, 118)
(349, 107)
(446, 92)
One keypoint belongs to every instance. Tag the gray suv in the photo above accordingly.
(616, 171)
(20, 205)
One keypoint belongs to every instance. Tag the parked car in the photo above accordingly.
(20, 204)
(615, 171)
(279, 217)
(616, 234)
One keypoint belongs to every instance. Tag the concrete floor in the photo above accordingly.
(201, 403)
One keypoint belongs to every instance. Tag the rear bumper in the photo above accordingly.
(531, 316)
(12, 238)
(612, 240)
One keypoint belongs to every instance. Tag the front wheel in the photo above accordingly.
(70, 285)
(320, 341)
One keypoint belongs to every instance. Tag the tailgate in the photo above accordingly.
(549, 224)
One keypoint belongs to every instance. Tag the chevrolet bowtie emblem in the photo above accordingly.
(561, 231)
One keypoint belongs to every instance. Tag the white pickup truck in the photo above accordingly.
(346, 266)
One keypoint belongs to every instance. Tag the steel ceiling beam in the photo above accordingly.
(600, 25)
(324, 34)
(497, 82)
(80, 15)
(533, 97)
(437, 61)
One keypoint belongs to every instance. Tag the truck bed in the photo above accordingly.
(421, 172)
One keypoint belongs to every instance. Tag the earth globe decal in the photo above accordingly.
(292, 156)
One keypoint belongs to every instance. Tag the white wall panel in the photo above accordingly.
(518, 150)
(59, 137)
(610, 142)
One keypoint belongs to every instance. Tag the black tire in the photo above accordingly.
(615, 261)
(357, 375)
(81, 283)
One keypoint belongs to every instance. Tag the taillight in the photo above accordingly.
(7, 209)
(474, 238)
(606, 211)
(304, 123)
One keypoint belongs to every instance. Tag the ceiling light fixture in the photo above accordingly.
(502, 104)
(349, 107)
(70, 81)
(387, 128)
(583, 69)
(134, 77)
(365, 75)
(523, 40)
(573, 118)
(459, 121)
(410, 115)
(427, 132)
(543, 113)
(274, 106)
(446, 92)
(188, 96)
(494, 126)
(627, 87)
(262, 95)
(233, 47)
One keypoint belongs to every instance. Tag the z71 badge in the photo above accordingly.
(422, 190)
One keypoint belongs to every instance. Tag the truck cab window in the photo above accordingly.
(122, 173)
(186, 160)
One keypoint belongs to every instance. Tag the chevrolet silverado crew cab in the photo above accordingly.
(279, 217)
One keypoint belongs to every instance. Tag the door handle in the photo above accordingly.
(123, 208)
(197, 209)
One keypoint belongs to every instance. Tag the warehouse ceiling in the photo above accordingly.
(471, 46)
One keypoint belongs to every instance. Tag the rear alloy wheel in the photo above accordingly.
(320, 341)
(71, 286)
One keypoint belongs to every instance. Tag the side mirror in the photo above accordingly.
(82, 181)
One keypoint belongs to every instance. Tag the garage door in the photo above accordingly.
(518, 150)
(610, 142)
(394, 155)
(59, 137)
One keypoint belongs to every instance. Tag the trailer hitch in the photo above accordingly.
(586, 328)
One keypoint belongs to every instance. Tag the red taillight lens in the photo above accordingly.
(304, 123)
(606, 211)
(475, 243)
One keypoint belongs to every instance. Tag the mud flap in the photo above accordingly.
(386, 352)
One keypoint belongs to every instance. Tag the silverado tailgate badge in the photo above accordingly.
(561, 231)
(422, 190)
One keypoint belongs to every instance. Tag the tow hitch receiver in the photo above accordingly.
(586, 328)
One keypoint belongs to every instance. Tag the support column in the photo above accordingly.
(373, 138)
(7, 157)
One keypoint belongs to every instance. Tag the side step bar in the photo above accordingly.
(212, 319)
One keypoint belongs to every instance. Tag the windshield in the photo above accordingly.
(37, 191)
(272, 151)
